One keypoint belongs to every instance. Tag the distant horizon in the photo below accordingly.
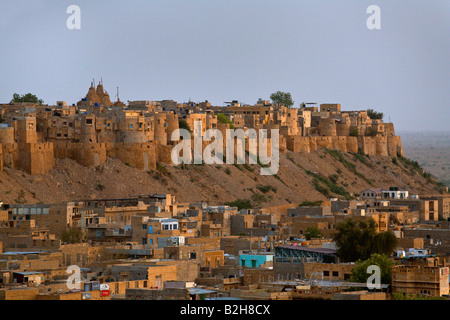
(423, 131)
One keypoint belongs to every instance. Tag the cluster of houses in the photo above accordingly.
(154, 247)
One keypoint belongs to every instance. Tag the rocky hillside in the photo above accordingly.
(302, 176)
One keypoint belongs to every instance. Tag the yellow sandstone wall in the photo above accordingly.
(39, 158)
(137, 155)
(382, 145)
(86, 154)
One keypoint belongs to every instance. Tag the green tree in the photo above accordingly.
(358, 240)
(359, 273)
(73, 235)
(354, 132)
(182, 124)
(282, 98)
(313, 232)
(26, 98)
(240, 204)
(224, 119)
(374, 115)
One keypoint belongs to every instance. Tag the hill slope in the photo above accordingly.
(302, 176)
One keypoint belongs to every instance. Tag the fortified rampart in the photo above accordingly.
(39, 158)
(142, 156)
(382, 145)
(36, 158)
(87, 154)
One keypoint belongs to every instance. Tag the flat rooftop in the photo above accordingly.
(317, 250)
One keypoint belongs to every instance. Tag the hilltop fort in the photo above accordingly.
(139, 133)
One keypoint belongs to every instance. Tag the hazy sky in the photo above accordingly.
(319, 50)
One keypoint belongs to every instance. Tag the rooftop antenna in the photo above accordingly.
(118, 94)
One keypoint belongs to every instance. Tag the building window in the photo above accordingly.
(144, 227)
(193, 255)
(335, 274)
(326, 273)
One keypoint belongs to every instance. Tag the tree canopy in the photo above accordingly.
(224, 119)
(359, 240)
(282, 98)
(26, 98)
(240, 204)
(72, 235)
(313, 232)
(354, 131)
(182, 124)
(359, 273)
(375, 115)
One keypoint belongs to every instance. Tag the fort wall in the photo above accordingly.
(378, 145)
(141, 156)
(87, 154)
(35, 158)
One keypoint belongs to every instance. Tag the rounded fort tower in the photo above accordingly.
(161, 128)
(327, 127)
(172, 125)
